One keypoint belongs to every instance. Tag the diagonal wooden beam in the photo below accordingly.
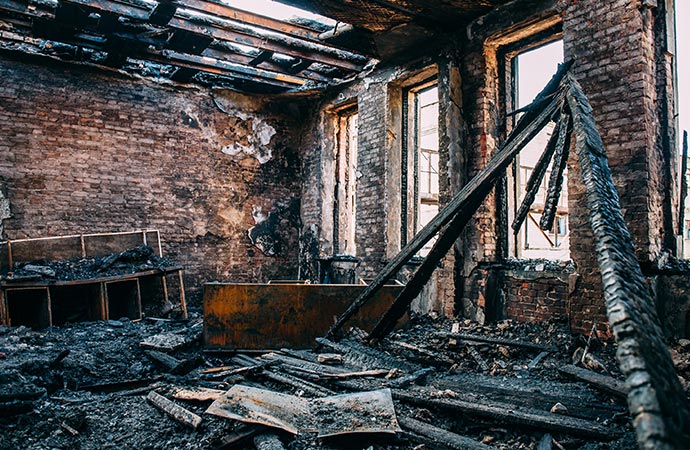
(543, 109)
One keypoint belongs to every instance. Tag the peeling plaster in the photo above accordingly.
(5, 212)
(258, 141)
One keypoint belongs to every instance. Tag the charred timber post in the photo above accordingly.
(656, 399)
(560, 162)
(523, 132)
(535, 179)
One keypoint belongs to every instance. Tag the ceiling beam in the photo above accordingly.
(225, 68)
(217, 8)
(236, 32)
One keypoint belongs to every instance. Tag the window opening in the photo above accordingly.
(532, 69)
(420, 160)
(682, 15)
(345, 208)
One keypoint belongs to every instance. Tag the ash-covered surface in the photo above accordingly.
(138, 259)
(51, 398)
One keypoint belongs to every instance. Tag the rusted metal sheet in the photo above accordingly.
(272, 316)
(361, 412)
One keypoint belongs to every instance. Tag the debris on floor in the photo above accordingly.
(433, 384)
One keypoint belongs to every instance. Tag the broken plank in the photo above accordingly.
(409, 379)
(508, 413)
(537, 359)
(602, 382)
(197, 394)
(491, 340)
(118, 385)
(367, 357)
(180, 414)
(441, 436)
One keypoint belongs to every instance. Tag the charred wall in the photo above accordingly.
(85, 152)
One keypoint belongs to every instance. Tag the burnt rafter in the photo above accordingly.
(193, 36)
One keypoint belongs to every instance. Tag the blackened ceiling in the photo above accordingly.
(210, 42)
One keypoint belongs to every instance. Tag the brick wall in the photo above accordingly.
(84, 152)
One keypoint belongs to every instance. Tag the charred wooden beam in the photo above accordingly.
(163, 12)
(29, 8)
(183, 74)
(237, 35)
(534, 182)
(560, 163)
(441, 436)
(219, 67)
(509, 413)
(656, 400)
(226, 51)
(605, 383)
(217, 8)
(180, 414)
(261, 58)
(185, 42)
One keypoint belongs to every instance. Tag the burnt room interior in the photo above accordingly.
(295, 224)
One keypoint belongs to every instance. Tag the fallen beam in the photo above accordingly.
(499, 341)
(507, 413)
(602, 382)
(441, 436)
(180, 414)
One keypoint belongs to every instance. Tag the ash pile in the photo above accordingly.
(434, 384)
(137, 259)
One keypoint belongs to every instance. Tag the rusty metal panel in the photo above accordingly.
(272, 316)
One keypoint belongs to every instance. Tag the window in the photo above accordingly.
(422, 154)
(531, 70)
(345, 207)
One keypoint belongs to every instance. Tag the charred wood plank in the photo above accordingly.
(534, 182)
(441, 436)
(546, 104)
(238, 437)
(197, 394)
(602, 382)
(410, 379)
(656, 400)
(15, 407)
(118, 385)
(180, 414)
(512, 414)
(286, 379)
(466, 337)
(365, 357)
(560, 163)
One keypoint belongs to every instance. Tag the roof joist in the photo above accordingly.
(192, 35)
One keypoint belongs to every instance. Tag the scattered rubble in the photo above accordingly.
(97, 386)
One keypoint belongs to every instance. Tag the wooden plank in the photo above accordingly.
(560, 164)
(512, 414)
(180, 414)
(683, 185)
(602, 382)
(183, 301)
(441, 436)
(223, 10)
(499, 341)
(197, 394)
(536, 118)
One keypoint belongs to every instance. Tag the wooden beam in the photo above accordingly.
(217, 8)
(523, 133)
(219, 67)
(560, 164)
(245, 36)
(27, 8)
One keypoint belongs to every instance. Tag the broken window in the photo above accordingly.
(422, 189)
(531, 70)
(345, 208)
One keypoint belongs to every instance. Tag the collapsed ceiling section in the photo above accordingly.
(201, 41)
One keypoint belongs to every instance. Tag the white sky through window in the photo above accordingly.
(536, 69)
